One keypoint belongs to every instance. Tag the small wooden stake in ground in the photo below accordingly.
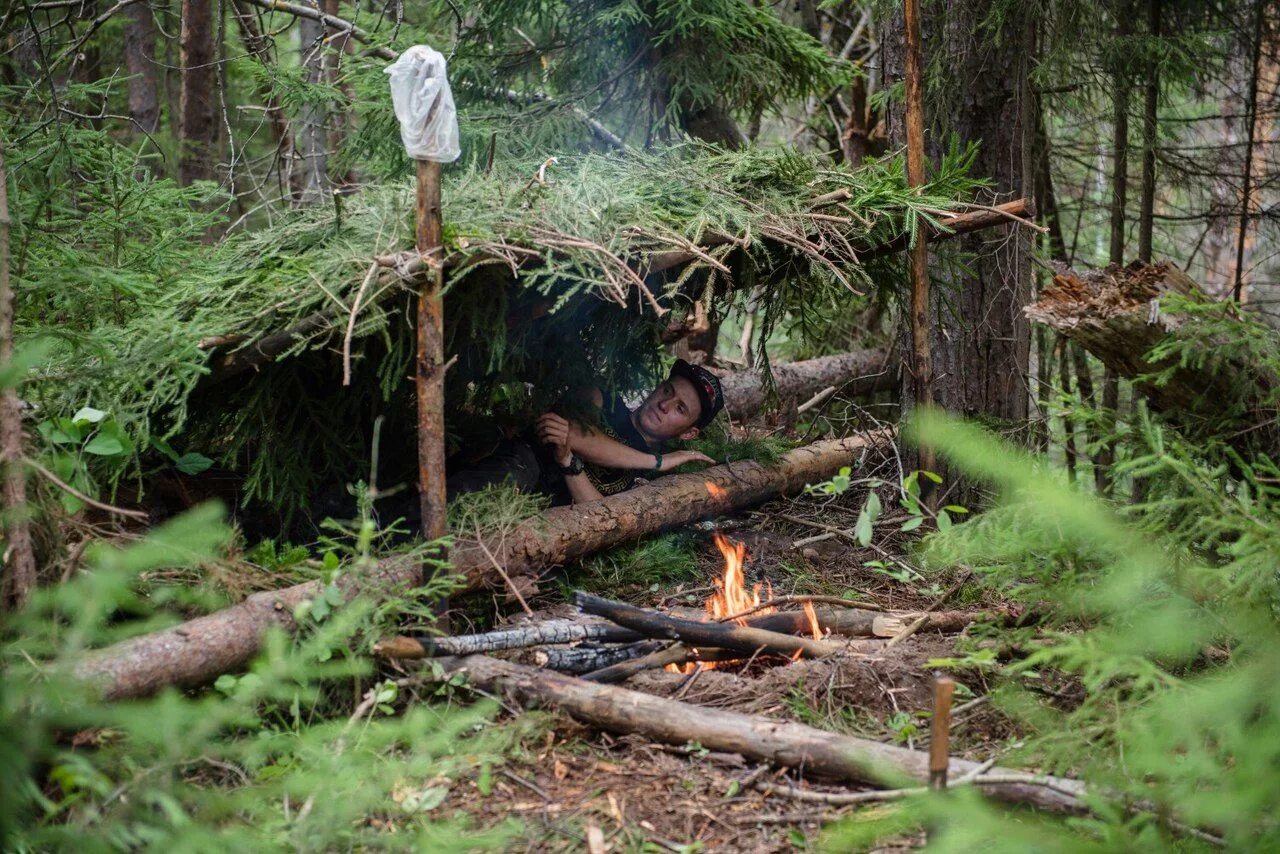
(944, 688)
(430, 373)
(921, 360)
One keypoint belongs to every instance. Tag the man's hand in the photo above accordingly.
(554, 431)
(675, 459)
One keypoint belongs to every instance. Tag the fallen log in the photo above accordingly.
(759, 738)
(858, 373)
(1117, 315)
(202, 649)
(745, 639)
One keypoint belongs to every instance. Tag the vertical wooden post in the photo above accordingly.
(430, 356)
(19, 566)
(921, 359)
(940, 731)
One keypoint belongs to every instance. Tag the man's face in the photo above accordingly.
(670, 410)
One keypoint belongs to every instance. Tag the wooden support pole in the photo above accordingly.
(430, 374)
(944, 687)
(921, 358)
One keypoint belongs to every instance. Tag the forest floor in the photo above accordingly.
(565, 780)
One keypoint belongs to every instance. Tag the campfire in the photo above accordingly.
(612, 641)
(733, 602)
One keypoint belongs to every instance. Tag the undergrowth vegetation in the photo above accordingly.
(272, 759)
(1162, 613)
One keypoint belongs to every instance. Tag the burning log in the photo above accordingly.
(858, 373)
(200, 650)
(763, 739)
(1116, 314)
(744, 639)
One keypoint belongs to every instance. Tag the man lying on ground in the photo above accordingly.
(574, 462)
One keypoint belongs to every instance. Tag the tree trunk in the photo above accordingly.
(979, 338)
(140, 60)
(197, 120)
(857, 373)
(793, 745)
(20, 561)
(312, 179)
(1150, 110)
(1119, 198)
(1110, 313)
(261, 48)
(202, 649)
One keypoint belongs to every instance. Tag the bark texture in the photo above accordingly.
(313, 139)
(755, 737)
(20, 560)
(860, 372)
(197, 120)
(200, 650)
(979, 339)
(140, 60)
(1115, 314)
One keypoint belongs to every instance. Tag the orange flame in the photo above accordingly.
(716, 492)
(812, 616)
(731, 596)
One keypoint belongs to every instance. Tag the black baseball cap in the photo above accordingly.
(707, 386)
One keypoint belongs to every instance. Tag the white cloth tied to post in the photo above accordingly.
(424, 105)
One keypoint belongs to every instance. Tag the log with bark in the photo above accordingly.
(199, 650)
(1117, 315)
(745, 639)
(763, 739)
(857, 373)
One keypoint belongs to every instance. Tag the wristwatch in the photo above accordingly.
(575, 466)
